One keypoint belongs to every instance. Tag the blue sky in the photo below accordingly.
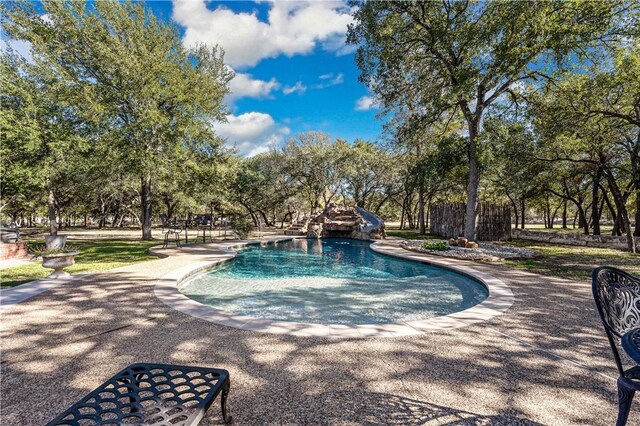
(294, 71)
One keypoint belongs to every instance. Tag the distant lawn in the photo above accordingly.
(573, 262)
(604, 229)
(97, 255)
(409, 234)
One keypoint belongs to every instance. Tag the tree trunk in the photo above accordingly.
(53, 223)
(421, 227)
(582, 220)
(266, 221)
(595, 211)
(515, 209)
(473, 183)
(522, 211)
(546, 213)
(623, 215)
(553, 217)
(636, 233)
(145, 203)
(564, 214)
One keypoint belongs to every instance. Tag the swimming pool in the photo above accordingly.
(331, 281)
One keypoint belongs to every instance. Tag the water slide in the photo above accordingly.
(371, 221)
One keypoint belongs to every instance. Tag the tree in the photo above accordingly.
(466, 56)
(43, 139)
(129, 76)
(316, 164)
(603, 148)
(365, 171)
(614, 95)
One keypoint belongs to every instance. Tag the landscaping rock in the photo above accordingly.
(346, 222)
(487, 252)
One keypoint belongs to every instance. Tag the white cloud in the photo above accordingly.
(291, 28)
(245, 86)
(366, 103)
(338, 44)
(296, 88)
(329, 80)
(251, 133)
(19, 47)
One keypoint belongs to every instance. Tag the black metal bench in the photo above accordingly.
(151, 394)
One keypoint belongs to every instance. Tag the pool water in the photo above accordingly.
(331, 281)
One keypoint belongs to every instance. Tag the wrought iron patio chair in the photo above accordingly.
(204, 227)
(617, 297)
(152, 394)
(170, 228)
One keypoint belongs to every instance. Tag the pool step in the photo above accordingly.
(298, 228)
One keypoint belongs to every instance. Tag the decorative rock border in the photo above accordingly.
(486, 252)
(499, 300)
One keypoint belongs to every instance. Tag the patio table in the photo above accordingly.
(151, 394)
(631, 343)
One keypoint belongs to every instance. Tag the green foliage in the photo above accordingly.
(126, 79)
(39, 249)
(241, 225)
(435, 245)
(450, 61)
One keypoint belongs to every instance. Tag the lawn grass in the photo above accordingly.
(96, 255)
(410, 234)
(604, 229)
(572, 262)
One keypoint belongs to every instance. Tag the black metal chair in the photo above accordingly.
(617, 296)
(204, 226)
(170, 228)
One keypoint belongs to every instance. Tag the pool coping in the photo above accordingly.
(498, 302)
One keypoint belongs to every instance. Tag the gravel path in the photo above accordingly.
(545, 361)
(485, 251)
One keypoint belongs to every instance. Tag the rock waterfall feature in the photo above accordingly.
(346, 222)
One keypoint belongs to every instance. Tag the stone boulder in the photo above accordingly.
(346, 222)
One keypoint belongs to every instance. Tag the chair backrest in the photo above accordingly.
(202, 220)
(617, 297)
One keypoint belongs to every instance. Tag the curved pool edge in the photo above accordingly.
(499, 300)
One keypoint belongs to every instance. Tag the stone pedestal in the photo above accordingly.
(58, 262)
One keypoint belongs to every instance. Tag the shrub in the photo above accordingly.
(39, 250)
(435, 245)
(241, 225)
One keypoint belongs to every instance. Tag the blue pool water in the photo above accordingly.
(331, 281)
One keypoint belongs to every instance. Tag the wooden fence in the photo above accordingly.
(493, 222)
(446, 220)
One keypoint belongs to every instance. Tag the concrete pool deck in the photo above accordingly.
(544, 361)
(499, 301)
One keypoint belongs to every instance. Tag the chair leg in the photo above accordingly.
(625, 397)
(178, 240)
(223, 402)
